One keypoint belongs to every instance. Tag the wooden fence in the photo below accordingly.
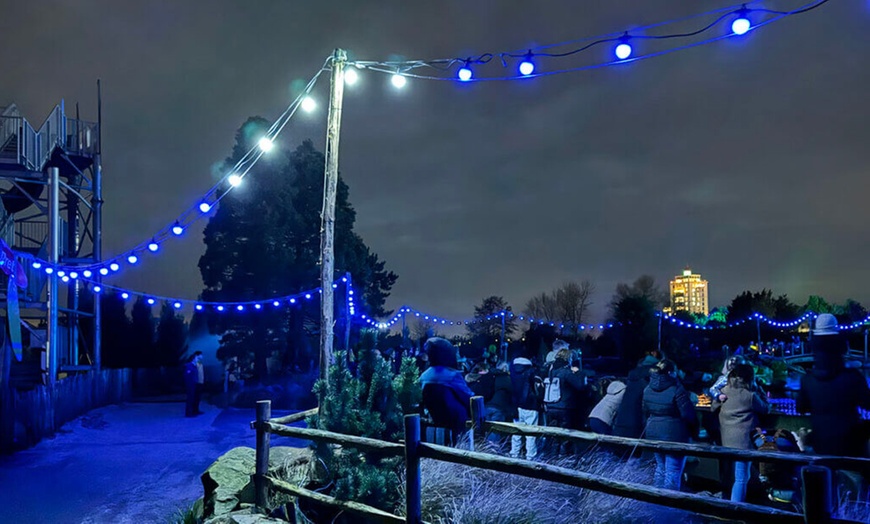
(26, 417)
(817, 501)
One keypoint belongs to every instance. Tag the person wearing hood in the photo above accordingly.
(525, 398)
(671, 417)
(603, 414)
(629, 419)
(567, 411)
(558, 345)
(445, 392)
(832, 394)
(722, 381)
(739, 403)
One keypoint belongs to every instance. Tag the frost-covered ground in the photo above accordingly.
(133, 463)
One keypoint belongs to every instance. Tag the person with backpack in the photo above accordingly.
(739, 404)
(565, 391)
(671, 417)
(523, 378)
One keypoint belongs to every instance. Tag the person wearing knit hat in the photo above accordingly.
(446, 395)
(832, 394)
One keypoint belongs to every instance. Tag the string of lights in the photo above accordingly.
(202, 208)
(727, 22)
(238, 306)
(405, 311)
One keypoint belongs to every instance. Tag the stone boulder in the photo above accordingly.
(244, 516)
(228, 482)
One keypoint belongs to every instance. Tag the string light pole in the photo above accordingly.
(327, 221)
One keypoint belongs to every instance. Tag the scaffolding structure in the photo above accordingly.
(50, 188)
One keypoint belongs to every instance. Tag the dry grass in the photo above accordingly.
(460, 494)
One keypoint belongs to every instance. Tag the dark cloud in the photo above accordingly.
(746, 158)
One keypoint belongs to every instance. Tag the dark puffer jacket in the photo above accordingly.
(522, 384)
(670, 413)
(572, 387)
(629, 419)
(832, 395)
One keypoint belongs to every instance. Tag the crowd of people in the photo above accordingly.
(650, 403)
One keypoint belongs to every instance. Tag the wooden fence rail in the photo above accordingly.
(817, 501)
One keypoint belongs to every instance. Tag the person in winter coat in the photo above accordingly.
(722, 381)
(445, 393)
(192, 384)
(494, 385)
(629, 421)
(739, 403)
(567, 410)
(525, 398)
(603, 414)
(671, 417)
(832, 395)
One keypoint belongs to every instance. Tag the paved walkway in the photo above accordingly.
(133, 463)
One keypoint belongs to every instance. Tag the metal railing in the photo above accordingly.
(817, 505)
(33, 147)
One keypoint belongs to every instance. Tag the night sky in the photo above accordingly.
(747, 159)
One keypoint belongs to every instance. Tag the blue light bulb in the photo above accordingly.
(465, 74)
(114, 266)
(741, 26)
(292, 300)
(622, 51)
(49, 270)
(527, 67)
(307, 295)
(220, 308)
(257, 306)
(198, 307)
(104, 271)
(205, 207)
(87, 273)
(153, 246)
(125, 296)
(240, 307)
(150, 301)
(177, 305)
(177, 230)
(37, 265)
(276, 303)
(97, 289)
(132, 259)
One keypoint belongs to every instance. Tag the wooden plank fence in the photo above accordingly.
(816, 473)
(26, 417)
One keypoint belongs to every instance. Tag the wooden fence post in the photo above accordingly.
(817, 494)
(413, 503)
(478, 415)
(261, 487)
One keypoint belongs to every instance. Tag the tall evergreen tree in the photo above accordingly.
(487, 326)
(116, 332)
(142, 335)
(171, 342)
(263, 241)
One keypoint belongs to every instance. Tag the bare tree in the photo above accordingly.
(422, 328)
(573, 300)
(543, 307)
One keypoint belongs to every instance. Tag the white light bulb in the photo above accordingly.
(308, 104)
(623, 51)
(266, 144)
(234, 180)
(399, 81)
(350, 76)
(741, 26)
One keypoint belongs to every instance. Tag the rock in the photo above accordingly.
(227, 483)
(245, 516)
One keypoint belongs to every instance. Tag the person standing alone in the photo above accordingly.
(194, 378)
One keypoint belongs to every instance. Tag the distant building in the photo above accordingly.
(688, 293)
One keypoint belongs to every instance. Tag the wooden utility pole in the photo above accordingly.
(327, 220)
